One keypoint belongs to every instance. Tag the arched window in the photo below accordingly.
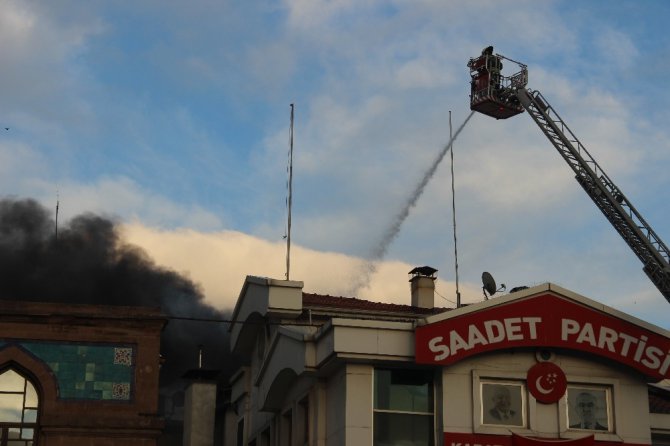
(18, 410)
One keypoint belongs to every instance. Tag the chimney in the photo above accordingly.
(200, 405)
(422, 284)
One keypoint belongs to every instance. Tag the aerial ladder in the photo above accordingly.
(502, 97)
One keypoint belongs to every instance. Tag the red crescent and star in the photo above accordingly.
(546, 382)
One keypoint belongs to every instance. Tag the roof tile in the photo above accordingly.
(352, 303)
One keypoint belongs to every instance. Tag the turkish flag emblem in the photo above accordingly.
(546, 382)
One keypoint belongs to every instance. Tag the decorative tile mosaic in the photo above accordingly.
(121, 391)
(123, 356)
(86, 371)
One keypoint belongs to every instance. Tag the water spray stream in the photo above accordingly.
(393, 229)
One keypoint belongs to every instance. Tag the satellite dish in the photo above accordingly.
(489, 285)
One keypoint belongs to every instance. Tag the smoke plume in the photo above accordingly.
(393, 229)
(85, 262)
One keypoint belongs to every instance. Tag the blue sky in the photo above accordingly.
(172, 117)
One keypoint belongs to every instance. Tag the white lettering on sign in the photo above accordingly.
(498, 327)
(629, 347)
(489, 332)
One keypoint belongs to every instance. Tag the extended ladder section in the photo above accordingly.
(620, 212)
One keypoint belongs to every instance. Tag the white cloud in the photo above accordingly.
(220, 261)
(420, 73)
(37, 53)
(20, 164)
(119, 198)
(317, 13)
(271, 65)
(620, 50)
(16, 22)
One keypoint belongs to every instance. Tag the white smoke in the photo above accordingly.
(393, 229)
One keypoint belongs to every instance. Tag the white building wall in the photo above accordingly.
(349, 394)
(457, 402)
(358, 410)
(336, 406)
(462, 402)
(320, 414)
(278, 351)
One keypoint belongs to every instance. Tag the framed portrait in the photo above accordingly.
(502, 403)
(589, 408)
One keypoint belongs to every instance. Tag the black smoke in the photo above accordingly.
(85, 262)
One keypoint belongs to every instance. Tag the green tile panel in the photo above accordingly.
(86, 371)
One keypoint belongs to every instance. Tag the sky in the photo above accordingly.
(172, 118)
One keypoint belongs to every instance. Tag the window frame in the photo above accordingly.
(286, 428)
(303, 420)
(21, 425)
(614, 402)
(432, 401)
(518, 396)
(239, 433)
(529, 403)
(574, 391)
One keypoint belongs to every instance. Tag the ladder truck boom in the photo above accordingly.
(502, 97)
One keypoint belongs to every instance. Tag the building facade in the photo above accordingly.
(79, 374)
(535, 366)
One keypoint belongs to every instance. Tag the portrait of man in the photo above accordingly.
(502, 404)
(589, 409)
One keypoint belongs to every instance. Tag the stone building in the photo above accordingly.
(79, 374)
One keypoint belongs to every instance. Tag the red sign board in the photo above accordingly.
(544, 321)
(520, 440)
(460, 439)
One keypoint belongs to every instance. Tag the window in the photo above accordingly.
(502, 403)
(261, 340)
(286, 429)
(240, 432)
(302, 430)
(266, 438)
(18, 410)
(403, 408)
(589, 408)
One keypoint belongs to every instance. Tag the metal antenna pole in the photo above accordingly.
(290, 198)
(453, 208)
(57, 204)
